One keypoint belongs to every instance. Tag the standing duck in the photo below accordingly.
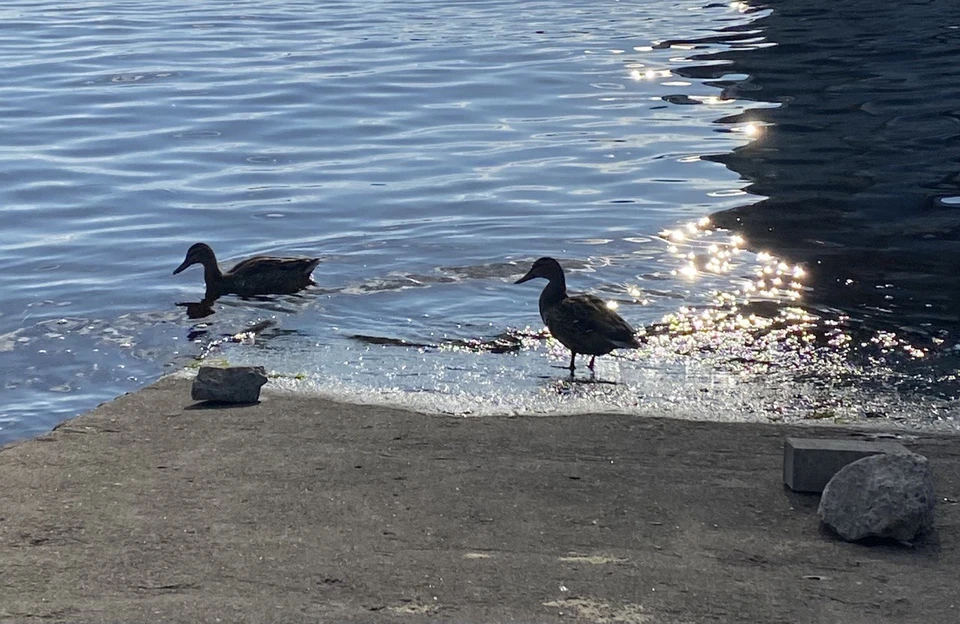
(259, 275)
(582, 323)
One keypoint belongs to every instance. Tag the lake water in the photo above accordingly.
(770, 192)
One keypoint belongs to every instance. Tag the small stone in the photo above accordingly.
(234, 384)
(888, 496)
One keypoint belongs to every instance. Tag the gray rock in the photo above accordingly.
(234, 384)
(888, 495)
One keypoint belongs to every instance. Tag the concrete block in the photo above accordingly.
(809, 463)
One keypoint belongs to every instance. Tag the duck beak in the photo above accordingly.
(184, 265)
(526, 278)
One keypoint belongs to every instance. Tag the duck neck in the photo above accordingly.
(553, 293)
(211, 273)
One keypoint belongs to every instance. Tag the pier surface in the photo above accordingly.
(299, 509)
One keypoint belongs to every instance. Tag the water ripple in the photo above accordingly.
(426, 150)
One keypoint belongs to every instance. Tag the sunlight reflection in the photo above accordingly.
(755, 316)
(650, 74)
(710, 99)
(674, 235)
(752, 278)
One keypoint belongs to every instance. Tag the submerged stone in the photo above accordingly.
(888, 496)
(233, 384)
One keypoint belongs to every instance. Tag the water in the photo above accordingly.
(430, 151)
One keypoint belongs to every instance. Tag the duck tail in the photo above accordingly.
(633, 343)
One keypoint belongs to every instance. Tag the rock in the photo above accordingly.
(234, 384)
(889, 495)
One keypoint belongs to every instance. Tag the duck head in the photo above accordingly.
(547, 268)
(199, 253)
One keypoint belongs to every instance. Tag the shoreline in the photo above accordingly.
(299, 508)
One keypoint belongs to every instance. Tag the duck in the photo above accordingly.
(259, 275)
(584, 324)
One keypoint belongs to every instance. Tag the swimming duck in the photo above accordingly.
(259, 275)
(582, 323)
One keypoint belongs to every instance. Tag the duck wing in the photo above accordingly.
(264, 275)
(260, 264)
(587, 322)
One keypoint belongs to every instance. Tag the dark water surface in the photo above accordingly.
(770, 191)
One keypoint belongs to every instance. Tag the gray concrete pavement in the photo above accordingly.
(303, 510)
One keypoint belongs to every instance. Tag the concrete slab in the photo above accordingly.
(299, 509)
(810, 463)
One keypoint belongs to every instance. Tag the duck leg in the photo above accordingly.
(572, 367)
(590, 365)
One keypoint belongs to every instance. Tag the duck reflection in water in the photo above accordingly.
(582, 323)
(198, 309)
